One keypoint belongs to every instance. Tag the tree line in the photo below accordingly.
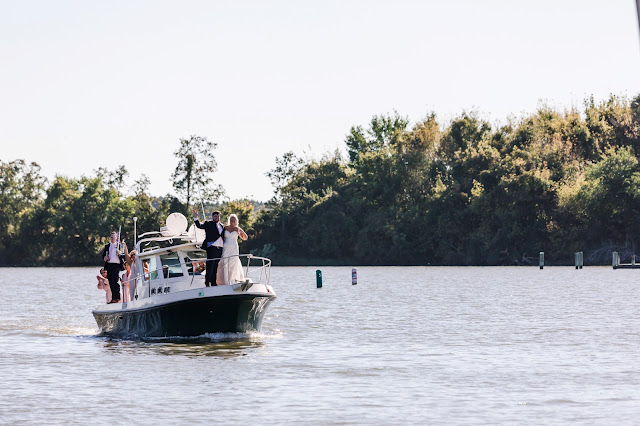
(467, 192)
(461, 193)
(66, 222)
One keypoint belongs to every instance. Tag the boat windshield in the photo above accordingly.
(171, 265)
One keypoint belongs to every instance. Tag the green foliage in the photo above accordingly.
(68, 222)
(193, 173)
(286, 168)
(379, 135)
(610, 195)
(454, 193)
(465, 193)
(21, 192)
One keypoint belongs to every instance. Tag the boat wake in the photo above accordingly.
(53, 327)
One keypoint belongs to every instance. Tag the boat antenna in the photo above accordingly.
(202, 203)
(135, 232)
(638, 10)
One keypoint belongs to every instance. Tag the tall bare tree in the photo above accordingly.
(195, 166)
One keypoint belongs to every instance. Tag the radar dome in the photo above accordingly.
(176, 223)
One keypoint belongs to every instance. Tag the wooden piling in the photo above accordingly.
(541, 260)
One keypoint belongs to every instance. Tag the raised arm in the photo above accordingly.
(242, 234)
(196, 219)
(127, 256)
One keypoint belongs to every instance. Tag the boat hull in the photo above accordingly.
(235, 313)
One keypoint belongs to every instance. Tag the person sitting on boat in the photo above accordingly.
(230, 269)
(195, 267)
(103, 283)
(213, 244)
(198, 266)
(113, 264)
(126, 281)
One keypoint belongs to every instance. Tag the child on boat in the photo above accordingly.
(103, 283)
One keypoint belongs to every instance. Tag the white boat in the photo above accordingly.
(170, 297)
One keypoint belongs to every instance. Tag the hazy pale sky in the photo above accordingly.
(85, 84)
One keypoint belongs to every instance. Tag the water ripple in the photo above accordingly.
(404, 346)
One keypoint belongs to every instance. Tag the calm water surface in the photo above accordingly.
(407, 345)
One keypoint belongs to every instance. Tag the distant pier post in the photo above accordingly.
(615, 260)
(633, 259)
(581, 259)
(541, 259)
(575, 259)
(354, 276)
(318, 278)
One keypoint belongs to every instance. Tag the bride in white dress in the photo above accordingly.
(230, 267)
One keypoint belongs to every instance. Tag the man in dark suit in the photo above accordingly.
(212, 244)
(113, 263)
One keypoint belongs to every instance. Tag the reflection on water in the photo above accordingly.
(223, 345)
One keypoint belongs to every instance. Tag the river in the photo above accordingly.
(406, 345)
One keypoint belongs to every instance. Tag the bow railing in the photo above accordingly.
(255, 270)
